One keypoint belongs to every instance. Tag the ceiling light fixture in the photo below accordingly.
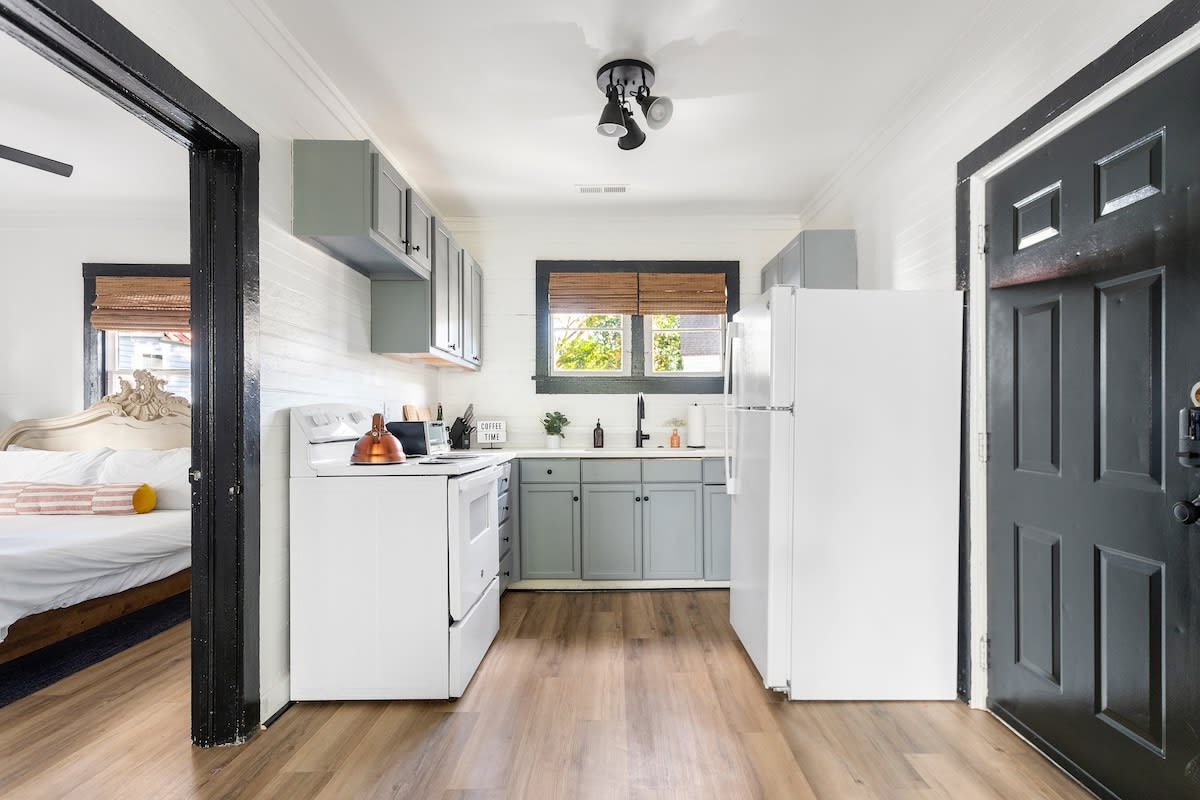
(612, 121)
(624, 80)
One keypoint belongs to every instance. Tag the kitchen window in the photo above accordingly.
(633, 326)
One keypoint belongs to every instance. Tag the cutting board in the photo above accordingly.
(413, 412)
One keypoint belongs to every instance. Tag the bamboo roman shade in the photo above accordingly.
(681, 293)
(593, 293)
(637, 293)
(142, 303)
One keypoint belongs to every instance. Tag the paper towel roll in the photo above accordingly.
(695, 426)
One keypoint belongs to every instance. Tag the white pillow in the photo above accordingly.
(75, 467)
(165, 470)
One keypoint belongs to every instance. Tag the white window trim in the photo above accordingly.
(648, 341)
(626, 354)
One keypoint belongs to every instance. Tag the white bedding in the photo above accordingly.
(49, 562)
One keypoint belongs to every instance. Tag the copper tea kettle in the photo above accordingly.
(377, 446)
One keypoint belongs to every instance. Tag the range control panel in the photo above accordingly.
(329, 422)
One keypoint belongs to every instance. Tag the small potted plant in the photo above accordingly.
(675, 424)
(554, 422)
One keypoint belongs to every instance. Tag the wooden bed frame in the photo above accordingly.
(139, 416)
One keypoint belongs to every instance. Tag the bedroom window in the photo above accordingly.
(621, 327)
(136, 316)
(168, 355)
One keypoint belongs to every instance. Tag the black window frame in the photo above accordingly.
(637, 381)
(95, 355)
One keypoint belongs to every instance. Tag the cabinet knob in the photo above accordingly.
(507, 539)
(637, 499)
(647, 499)
(453, 347)
(506, 508)
(549, 472)
(416, 248)
(576, 499)
(507, 574)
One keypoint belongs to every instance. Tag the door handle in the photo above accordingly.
(1187, 512)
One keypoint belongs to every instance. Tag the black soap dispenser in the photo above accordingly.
(598, 436)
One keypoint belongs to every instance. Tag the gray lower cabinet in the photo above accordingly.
(716, 533)
(672, 525)
(612, 531)
(550, 530)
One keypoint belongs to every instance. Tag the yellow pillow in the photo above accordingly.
(144, 499)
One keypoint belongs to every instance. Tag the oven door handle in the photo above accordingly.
(469, 481)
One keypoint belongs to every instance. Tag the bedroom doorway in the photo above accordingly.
(87, 43)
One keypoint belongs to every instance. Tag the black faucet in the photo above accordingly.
(641, 415)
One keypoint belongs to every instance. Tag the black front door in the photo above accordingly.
(1093, 345)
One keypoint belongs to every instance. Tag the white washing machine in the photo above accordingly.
(394, 588)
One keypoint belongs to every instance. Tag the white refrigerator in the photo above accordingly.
(843, 437)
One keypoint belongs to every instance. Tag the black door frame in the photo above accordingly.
(86, 42)
(1159, 30)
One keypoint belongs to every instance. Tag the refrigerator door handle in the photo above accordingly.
(730, 403)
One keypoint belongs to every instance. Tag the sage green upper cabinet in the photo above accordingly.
(472, 309)
(815, 259)
(447, 292)
(437, 320)
(419, 231)
(349, 201)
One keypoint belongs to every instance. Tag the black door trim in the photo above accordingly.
(1173, 20)
(82, 39)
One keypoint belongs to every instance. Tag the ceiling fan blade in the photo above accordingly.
(37, 162)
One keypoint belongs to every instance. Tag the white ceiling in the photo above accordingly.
(122, 165)
(491, 107)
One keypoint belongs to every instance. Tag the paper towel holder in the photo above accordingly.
(695, 427)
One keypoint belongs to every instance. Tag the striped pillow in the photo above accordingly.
(60, 498)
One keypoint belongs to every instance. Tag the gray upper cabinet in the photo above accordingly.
(418, 232)
(447, 292)
(349, 201)
(816, 259)
(672, 531)
(438, 320)
(550, 530)
(472, 309)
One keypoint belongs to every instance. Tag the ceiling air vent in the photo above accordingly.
(602, 188)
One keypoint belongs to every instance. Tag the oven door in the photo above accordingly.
(474, 538)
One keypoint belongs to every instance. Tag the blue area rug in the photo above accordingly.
(39, 669)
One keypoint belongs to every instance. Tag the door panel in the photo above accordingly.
(550, 530)
(612, 531)
(672, 531)
(1091, 347)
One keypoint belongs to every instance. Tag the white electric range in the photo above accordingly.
(394, 588)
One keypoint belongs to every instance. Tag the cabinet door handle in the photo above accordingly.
(576, 499)
(549, 472)
(416, 248)
(507, 539)
(507, 574)
(647, 499)
(453, 347)
(637, 499)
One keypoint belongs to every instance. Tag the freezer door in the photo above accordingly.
(762, 347)
(761, 540)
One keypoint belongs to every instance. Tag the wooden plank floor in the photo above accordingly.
(607, 695)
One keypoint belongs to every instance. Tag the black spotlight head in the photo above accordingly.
(612, 121)
(634, 138)
(658, 110)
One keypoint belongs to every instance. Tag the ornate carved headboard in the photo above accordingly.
(140, 416)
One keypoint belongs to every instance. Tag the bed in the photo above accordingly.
(63, 574)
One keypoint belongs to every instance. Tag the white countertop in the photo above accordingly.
(606, 452)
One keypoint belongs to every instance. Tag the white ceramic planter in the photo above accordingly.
(553, 442)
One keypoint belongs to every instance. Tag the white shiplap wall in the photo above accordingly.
(41, 296)
(508, 249)
(315, 313)
(898, 192)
